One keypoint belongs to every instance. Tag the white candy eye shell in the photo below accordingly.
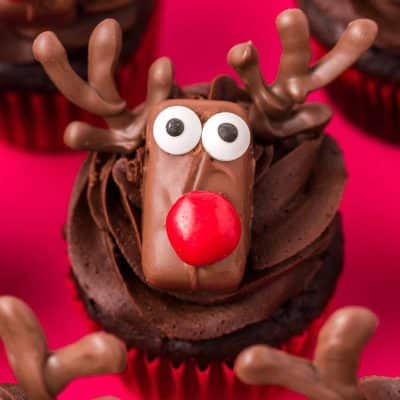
(226, 136)
(177, 130)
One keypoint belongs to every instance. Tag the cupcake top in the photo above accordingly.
(385, 12)
(333, 373)
(329, 19)
(207, 201)
(72, 20)
(41, 373)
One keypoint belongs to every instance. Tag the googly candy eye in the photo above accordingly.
(177, 130)
(226, 136)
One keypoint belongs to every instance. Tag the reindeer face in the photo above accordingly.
(199, 164)
(198, 181)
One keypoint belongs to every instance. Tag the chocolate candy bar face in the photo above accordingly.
(197, 148)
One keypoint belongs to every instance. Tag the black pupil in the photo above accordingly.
(228, 132)
(175, 127)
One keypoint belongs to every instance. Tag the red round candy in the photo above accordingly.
(203, 228)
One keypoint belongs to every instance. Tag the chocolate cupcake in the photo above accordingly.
(41, 373)
(368, 93)
(206, 219)
(334, 372)
(32, 114)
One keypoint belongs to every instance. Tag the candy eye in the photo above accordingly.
(226, 136)
(177, 130)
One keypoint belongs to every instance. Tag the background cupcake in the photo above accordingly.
(367, 94)
(267, 263)
(32, 114)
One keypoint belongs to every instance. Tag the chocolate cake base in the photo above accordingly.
(375, 62)
(289, 320)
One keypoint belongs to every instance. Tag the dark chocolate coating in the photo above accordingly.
(31, 76)
(376, 61)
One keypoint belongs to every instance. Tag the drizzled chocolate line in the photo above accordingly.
(99, 95)
(278, 105)
(43, 373)
(332, 375)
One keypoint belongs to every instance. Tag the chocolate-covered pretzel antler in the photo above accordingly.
(43, 374)
(332, 375)
(277, 111)
(99, 95)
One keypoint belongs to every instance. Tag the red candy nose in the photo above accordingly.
(203, 228)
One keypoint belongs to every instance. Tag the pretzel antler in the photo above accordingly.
(100, 95)
(332, 375)
(44, 374)
(296, 78)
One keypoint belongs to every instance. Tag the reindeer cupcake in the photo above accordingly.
(206, 219)
(32, 112)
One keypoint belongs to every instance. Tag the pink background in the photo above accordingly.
(197, 36)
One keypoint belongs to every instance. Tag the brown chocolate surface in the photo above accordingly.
(329, 19)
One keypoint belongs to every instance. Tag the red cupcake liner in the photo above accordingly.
(369, 102)
(37, 120)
